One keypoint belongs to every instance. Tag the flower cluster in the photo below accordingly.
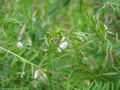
(63, 44)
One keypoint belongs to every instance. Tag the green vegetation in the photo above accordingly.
(59, 44)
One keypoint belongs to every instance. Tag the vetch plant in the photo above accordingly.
(47, 29)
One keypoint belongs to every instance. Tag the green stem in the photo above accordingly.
(48, 70)
(22, 59)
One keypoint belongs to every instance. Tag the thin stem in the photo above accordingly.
(22, 59)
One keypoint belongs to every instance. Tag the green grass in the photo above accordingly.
(90, 60)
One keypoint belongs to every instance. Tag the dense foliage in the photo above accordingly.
(60, 44)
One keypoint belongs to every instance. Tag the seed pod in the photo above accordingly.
(39, 74)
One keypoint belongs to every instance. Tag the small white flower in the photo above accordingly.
(22, 74)
(19, 44)
(63, 45)
(105, 27)
(63, 39)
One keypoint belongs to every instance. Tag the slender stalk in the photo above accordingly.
(21, 58)
(48, 70)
